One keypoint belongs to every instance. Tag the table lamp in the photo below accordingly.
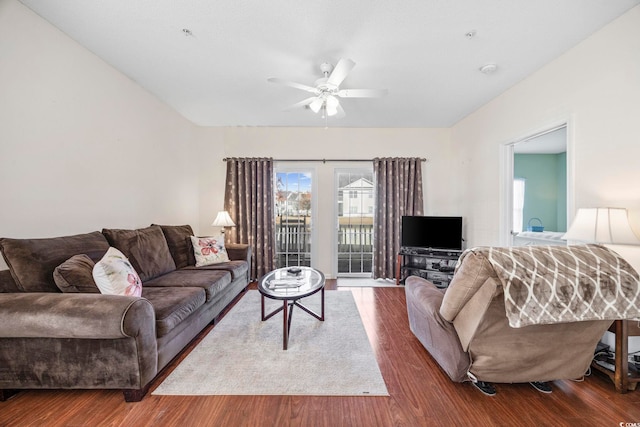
(223, 220)
(602, 225)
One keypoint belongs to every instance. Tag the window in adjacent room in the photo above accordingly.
(518, 204)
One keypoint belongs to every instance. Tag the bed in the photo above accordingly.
(538, 238)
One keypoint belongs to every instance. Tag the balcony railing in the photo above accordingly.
(293, 241)
(355, 243)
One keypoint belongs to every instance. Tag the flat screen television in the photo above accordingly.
(436, 232)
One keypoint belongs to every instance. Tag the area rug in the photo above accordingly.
(243, 355)
(363, 282)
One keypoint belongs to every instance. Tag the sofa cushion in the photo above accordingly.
(32, 261)
(470, 275)
(76, 275)
(172, 305)
(236, 268)
(114, 275)
(179, 241)
(146, 248)
(7, 284)
(209, 250)
(212, 281)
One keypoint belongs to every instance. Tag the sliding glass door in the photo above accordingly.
(355, 207)
(294, 217)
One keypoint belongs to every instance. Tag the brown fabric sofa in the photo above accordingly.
(81, 339)
(467, 327)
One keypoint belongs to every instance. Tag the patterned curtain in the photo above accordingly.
(249, 199)
(398, 193)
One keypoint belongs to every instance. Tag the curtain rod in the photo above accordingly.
(324, 160)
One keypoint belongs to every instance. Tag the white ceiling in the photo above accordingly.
(417, 49)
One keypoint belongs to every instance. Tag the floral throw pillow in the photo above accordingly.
(209, 250)
(114, 275)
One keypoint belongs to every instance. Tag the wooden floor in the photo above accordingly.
(420, 394)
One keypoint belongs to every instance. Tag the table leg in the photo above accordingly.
(285, 326)
(311, 312)
(621, 378)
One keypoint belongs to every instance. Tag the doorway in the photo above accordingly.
(537, 187)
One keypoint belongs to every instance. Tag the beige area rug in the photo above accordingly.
(243, 355)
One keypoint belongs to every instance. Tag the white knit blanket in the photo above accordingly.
(557, 284)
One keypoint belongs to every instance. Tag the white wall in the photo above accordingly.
(440, 177)
(81, 146)
(596, 86)
(209, 148)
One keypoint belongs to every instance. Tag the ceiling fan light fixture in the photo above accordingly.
(327, 90)
(316, 104)
(332, 105)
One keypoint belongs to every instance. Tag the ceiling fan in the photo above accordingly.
(327, 90)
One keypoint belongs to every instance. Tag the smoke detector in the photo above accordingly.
(488, 68)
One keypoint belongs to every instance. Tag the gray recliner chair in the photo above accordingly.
(467, 330)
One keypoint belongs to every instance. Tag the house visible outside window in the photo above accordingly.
(518, 204)
(355, 201)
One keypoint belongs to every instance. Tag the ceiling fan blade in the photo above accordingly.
(293, 84)
(340, 113)
(301, 103)
(362, 93)
(340, 72)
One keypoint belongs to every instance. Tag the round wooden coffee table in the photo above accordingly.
(289, 285)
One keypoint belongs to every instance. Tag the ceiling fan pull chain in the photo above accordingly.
(326, 119)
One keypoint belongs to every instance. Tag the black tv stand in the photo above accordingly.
(435, 265)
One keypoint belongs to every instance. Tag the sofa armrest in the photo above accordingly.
(436, 334)
(240, 252)
(90, 316)
(83, 341)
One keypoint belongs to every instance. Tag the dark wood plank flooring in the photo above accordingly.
(420, 394)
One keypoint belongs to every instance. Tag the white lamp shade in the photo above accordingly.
(223, 220)
(602, 225)
(332, 105)
(316, 104)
